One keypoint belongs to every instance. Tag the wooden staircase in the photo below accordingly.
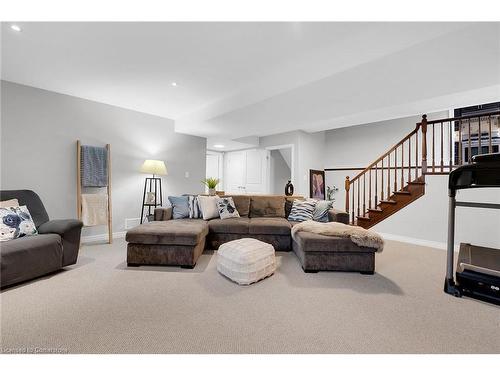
(397, 178)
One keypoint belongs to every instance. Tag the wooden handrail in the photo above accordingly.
(496, 113)
(385, 154)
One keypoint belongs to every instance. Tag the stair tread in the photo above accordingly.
(390, 201)
(402, 192)
(375, 210)
(416, 183)
(362, 217)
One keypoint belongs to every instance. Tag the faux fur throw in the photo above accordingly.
(358, 235)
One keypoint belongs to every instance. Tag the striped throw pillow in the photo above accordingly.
(302, 210)
(194, 207)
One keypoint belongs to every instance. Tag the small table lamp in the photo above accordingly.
(150, 197)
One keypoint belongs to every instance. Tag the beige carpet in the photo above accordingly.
(100, 306)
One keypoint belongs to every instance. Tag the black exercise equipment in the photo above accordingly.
(478, 268)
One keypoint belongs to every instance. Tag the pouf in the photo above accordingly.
(246, 261)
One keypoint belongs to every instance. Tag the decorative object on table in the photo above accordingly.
(246, 261)
(180, 207)
(330, 191)
(150, 197)
(208, 206)
(302, 210)
(227, 208)
(289, 188)
(321, 211)
(317, 184)
(16, 222)
(211, 183)
(153, 197)
(93, 174)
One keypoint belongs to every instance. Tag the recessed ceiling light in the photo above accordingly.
(174, 84)
(219, 146)
(15, 28)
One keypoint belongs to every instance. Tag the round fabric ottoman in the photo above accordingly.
(246, 261)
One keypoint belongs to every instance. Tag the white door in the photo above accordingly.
(257, 171)
(235, 172)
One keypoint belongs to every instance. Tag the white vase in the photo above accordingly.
(211, 191)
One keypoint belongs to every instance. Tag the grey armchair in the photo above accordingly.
(55, 246)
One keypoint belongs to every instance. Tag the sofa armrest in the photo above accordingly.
(70, 231)
(163, 213)
(338, 216)
(59, 227)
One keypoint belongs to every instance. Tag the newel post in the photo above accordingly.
(347, 187)
(424, 143)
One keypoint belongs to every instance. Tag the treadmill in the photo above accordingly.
(478, 268)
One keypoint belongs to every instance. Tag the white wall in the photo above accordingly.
(279, 173)
(38, 150)
(309, 153)
(426, 218)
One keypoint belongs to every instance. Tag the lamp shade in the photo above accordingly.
(156, 167)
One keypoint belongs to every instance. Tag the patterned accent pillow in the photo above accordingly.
(16, 222)
(227, 208)
(194, 207)
(321, 211)
(302, 210)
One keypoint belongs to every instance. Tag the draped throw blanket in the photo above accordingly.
(358, 235)
(94, 209)
(94, 166)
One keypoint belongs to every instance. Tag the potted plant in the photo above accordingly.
(211, 183)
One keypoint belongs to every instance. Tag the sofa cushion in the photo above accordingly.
(172, 232)
(313, 242)
(227, 209)
(180, 207)
(29, 257)
(321, 211)
(269, 225)
(267, 206)
(242, 203)
(16, 222)
(237, 225)
(302, 210)
(208, 206)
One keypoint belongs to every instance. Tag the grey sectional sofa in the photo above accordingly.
(180, 242)
(55, 246)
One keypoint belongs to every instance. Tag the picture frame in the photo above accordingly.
(317, 184)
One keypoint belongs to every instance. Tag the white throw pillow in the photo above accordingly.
(208, 206)
(9, 203)
(227, 209)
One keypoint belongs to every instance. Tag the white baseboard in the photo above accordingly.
(415, 241)
(101, 237)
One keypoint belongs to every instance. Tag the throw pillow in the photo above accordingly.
(208, 205)
(9, 203)
(302, 210)
(194, 207)
(227, 208)
(180, 207)
(321, 211)
(16, 222)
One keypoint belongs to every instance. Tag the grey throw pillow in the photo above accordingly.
(321, 211)
(180, 207)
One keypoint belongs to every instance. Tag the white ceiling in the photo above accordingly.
(246, 79)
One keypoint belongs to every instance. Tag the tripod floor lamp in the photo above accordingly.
(152, 196)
